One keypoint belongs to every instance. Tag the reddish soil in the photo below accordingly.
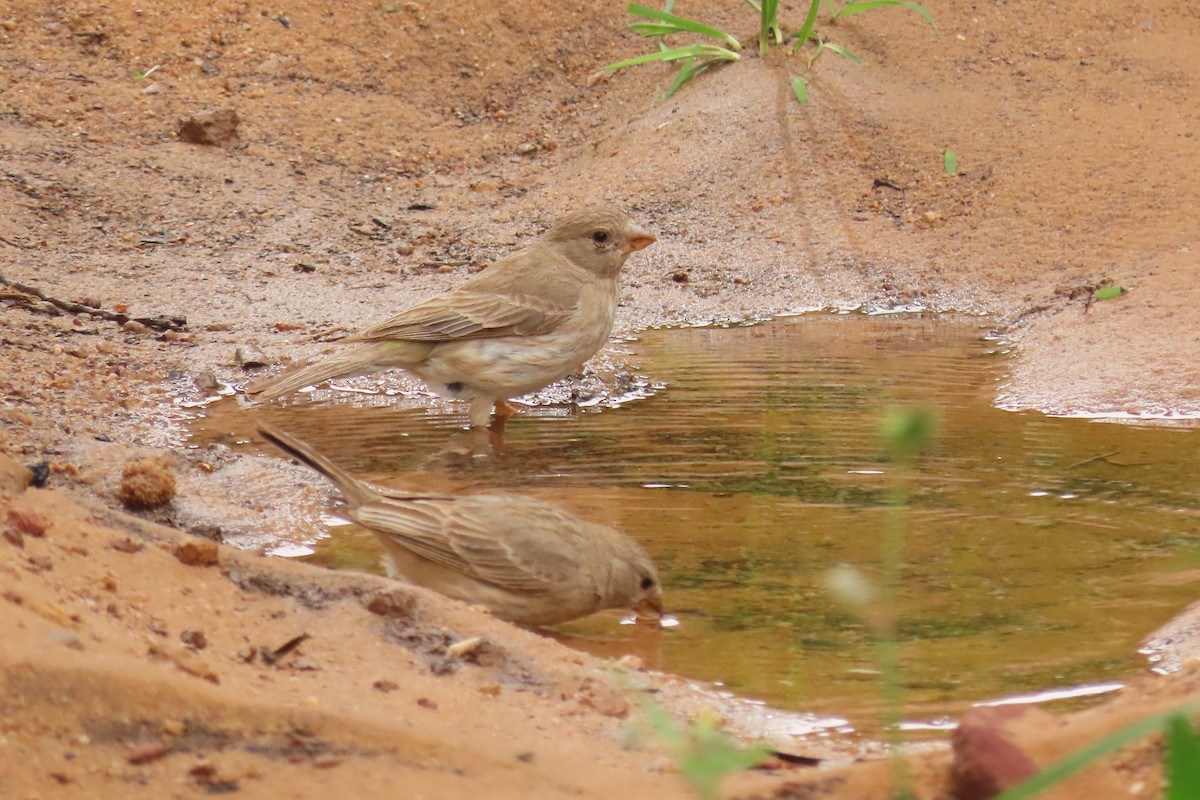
(383, 152)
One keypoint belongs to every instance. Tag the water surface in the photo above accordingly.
(1039, 551)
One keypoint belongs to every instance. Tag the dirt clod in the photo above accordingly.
(14, 478)
(987, 760)
(198, 553)
(146, 483)
(214, 128)
(398, 603)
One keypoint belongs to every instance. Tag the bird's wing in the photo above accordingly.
(509, 542)
(528, 293)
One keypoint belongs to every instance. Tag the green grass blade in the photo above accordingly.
(653, 28)
(678, 54)
(807, 29)
(866, 5)
(844, 53)
(1094, 752)
(767, 22)
(1182, 760)
(683, 24)
(687, 72)
(800, 87)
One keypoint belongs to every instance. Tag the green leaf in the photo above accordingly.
(806, 30)
(688, 71)
(678, 54)
(950, 162)
(844, 53)
(1109, 292)
(682, 24)
(800, 87)
(1182, 760)
(867, 5)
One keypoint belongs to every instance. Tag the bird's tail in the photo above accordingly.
(361, 360)
(355, 491)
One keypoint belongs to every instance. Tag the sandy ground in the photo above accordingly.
(386, 151)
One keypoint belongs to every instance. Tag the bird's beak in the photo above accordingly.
(649, 607)
(639, 237)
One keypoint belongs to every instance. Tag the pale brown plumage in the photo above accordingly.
(528, 320)
(527, 561)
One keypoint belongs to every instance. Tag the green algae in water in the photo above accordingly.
(1039, 551)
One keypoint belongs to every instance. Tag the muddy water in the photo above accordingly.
(1038, 551)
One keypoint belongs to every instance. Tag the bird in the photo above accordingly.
(526, 321)
(526, 561)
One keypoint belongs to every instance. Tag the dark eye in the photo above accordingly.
(600, 237)
(647, 583)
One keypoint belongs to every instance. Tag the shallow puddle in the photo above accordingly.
(1038, 553)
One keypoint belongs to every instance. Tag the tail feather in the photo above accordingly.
(361, 360)
(355, 491)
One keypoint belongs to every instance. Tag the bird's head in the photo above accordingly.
(634, 584)
(598, 239)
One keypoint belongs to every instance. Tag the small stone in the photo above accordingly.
(126, 545)
(173, 727)
(249, 358)
(206, 381)
(425, 702)
(198, 553)
(146, 752)
(133, 326)
(196, 640)
(384, 685)
(326, 761)
(525, 756)
(490, 689)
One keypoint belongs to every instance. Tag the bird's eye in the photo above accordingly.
(647, 583)
(600, 237)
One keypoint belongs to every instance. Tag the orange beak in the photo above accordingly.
(639, 237)
(650, 607)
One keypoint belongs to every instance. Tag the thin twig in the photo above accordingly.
(165, 323)
(1086, 461)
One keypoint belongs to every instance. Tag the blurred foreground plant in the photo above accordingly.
(904, 432)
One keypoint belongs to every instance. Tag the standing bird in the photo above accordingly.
(527, 561)
(526, 321)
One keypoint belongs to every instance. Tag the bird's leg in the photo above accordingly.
(504, 410)
(480, 411)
